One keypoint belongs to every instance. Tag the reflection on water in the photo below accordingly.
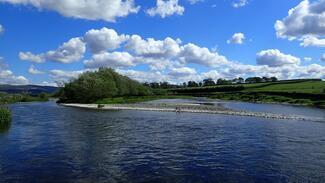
(50, 143)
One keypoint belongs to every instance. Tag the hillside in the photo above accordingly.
(27, 89)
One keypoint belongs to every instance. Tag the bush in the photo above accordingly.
(5, 118)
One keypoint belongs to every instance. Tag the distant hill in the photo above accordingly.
(30, 89)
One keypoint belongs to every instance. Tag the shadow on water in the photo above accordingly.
(4, 128)
(5, 120)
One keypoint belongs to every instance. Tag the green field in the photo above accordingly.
(302, 92)
(314, 87)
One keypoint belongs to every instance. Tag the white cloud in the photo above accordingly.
(237, 38)
(107, 10)
(68, 52)
(308, 59)
(1, 29)
(312, 41)
(28, 56)
(192, 53)
(143, 76)
(61, 75)
(115, 59)
(306, 19)
(239, 3)
(182, 72)
(33, 70)
(8, 77)
(166, 8)
(153, 48)
(274, 58)
(103, 40)
(194, 1)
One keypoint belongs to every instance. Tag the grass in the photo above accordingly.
(315, 87)
(5, 119)
(131, 100)
(302, 92)
(264, 98)
(14, 98)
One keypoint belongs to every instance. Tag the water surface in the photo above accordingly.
(50, 143)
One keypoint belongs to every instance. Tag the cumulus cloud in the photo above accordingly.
(237, 38)
(171, 60)
(68, 52)
(103, 40)
(239, 3)
(274, 58)
(153, 48)
(305, 22)
(192, 53)
(144, 76)
(182, 72)
(61, 75)
(115, 59)
(1, 29)
(33, 70)
(166, 8)
(8, 77)
(28, 56)
(107, 10)
(312, 41)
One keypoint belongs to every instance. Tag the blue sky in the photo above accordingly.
(216, 39)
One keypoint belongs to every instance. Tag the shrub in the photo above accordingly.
(5, 118)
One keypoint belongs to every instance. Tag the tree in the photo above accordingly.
(104, 83)
(254, 80)
(208, 82)
(192, 84)
(223, 82)
(274, 79)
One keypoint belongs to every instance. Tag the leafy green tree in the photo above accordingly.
(104, 83)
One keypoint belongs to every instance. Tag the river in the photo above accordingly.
(51, 143)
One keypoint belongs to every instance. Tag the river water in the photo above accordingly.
(51, 143)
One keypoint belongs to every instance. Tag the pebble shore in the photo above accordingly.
(189, 108)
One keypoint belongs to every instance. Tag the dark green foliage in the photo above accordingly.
(192, 84)
(254, 80)
(14, 98)
(104, 83)
(5, 119)
(223, 82)
(208, 82)
(194, 91)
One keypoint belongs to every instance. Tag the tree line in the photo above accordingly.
(210, 82)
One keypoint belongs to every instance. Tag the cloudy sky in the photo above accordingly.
(43, 41)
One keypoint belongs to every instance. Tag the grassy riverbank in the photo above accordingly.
(14, 98)
(299, 92)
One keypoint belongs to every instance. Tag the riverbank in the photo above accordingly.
(189, 108)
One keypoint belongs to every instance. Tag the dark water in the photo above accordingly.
(49, 143)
